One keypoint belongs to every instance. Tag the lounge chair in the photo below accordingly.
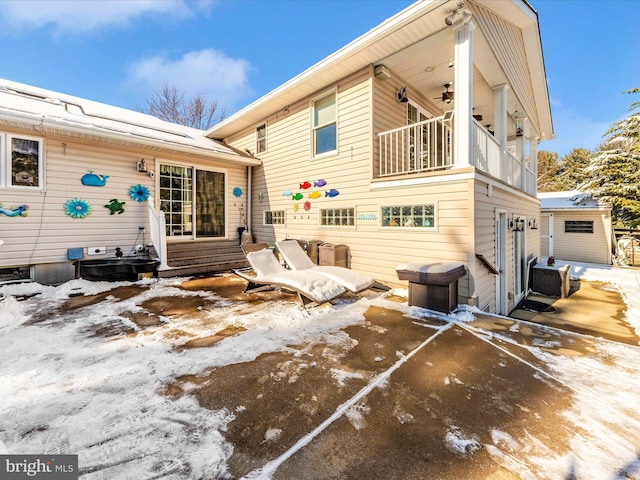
(311, 287)
(297, 260)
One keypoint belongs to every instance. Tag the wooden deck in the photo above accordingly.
(203, 257)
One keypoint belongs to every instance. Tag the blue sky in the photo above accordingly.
(234, 51)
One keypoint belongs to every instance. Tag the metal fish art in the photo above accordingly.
(331, 193)
(307, 206)
(297, 196)
(320, 183)
(305, 185)
(287, 193)
(315, 194)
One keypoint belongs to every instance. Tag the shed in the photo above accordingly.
(574, 226)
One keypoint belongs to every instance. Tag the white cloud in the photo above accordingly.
(208, 72)
(77, 17)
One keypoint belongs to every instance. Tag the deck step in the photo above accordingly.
(201, 258)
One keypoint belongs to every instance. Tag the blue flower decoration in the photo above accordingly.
(77, 208)
(237, 192)
(139, 193)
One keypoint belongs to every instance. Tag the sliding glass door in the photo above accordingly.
(179, 187)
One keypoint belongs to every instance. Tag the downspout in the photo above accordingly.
(249, 204)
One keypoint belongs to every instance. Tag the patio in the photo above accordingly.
(192, 379)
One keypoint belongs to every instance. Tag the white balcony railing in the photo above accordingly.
(428, 146)
(416, 148)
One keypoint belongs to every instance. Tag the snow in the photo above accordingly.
(63, 390)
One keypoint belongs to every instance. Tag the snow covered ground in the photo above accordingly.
(66, 389)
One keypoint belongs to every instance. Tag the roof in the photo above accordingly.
(570, 200)
(26, 106)
(397, 37)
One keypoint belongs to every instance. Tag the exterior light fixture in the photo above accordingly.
(142, 166)
(402, 95)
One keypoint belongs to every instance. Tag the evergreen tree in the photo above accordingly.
(572, 171)
(548, 169)
(613, 174)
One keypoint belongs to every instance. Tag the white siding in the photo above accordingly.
(583, 247)
(47, 232)
(516, 205)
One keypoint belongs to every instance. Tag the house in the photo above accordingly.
(84, 180)
(413, 142)
(574, 226)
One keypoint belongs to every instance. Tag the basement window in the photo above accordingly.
(274, 217)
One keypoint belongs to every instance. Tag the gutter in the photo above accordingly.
(42, 123)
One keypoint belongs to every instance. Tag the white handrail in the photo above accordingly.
(158, 234)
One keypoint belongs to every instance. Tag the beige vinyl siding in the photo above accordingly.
(515, 204)
(47, 232)
(582, 247)
(545, 241)
(374, 250)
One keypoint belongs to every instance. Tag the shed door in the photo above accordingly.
(546, 234)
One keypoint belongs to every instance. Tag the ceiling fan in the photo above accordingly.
(447, 96)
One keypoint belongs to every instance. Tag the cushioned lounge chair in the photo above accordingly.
(297, 260)
(269, 273)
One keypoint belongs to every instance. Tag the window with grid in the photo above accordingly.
(21, 161)
(340, 217)
(578, 226)
(261, 138)
(409, 216)
(274, 217)
(324, 125)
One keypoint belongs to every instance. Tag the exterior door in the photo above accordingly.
(501, 262)
(417, 139)
(546, 234)
(193, 201)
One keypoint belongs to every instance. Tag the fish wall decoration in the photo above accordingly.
(297, 196)
(315, 194)
(320, 183)
(331, 193)
(20, 211)
(287, 193)
(92, 180)
(305, 185)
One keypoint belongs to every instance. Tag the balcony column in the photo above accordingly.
(500, 124)
(463, 87)
(533, 161)
(521, 153)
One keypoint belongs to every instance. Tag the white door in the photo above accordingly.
(546, 234)
(501, 262)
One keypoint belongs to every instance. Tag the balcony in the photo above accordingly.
(427, 146)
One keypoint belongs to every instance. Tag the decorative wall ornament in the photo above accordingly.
(93, 180)
(77, 208)
(139, 193)
(115, 206)
(15, 211)
(237, 192)
(307, 206)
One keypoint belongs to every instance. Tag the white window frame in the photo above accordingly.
(277, 214)
(412, 227)
(263, 139)
(315, 128)
(352, 217)
(6, 167)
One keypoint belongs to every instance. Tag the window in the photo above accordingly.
(324, 125)
(409, 216)
(578, 226)
(341, 217)
(179, 186)
(274, 217)
(261, 138)
(21, 161)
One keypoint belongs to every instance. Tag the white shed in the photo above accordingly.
(575, 227)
